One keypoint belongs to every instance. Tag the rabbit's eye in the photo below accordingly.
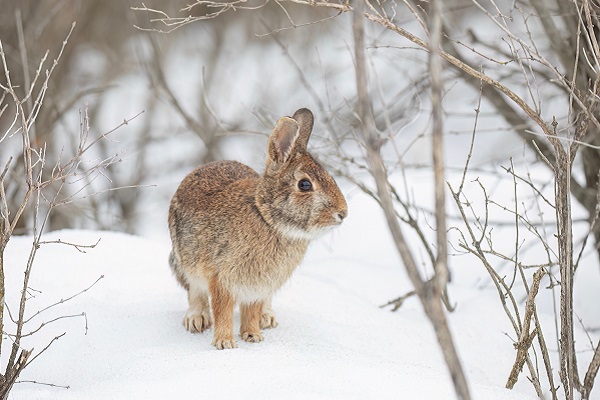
(305, 185)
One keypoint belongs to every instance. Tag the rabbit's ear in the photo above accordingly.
(283, 139)
(305, 120)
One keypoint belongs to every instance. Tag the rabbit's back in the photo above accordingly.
(211, 178)
(193, 209)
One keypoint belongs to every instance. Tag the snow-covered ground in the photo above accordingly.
(333, 341)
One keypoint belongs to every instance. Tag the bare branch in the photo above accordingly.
(590, 376)
(105, 135)
(470, 153)
(78, 247)
(429, 294)
(435, 70)
(46, 348)
(293, 24)
(62, 301)
(45, 384)
(397, 302)
(469, 70)
(526, 338)
(43, 324)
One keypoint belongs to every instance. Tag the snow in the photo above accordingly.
(333, 340)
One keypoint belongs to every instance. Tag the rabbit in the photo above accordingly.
(237, 236)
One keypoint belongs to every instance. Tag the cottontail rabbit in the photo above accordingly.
(238, 235)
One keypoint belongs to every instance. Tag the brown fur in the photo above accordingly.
(238, 236)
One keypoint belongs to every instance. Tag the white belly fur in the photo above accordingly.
(242, 294)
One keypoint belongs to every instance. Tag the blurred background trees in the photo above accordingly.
(201, 86)
(205, 82)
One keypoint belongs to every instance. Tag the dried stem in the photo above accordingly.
(526, 338)
(62, 301)
(435, 70)
(397, 302)
(429, 292)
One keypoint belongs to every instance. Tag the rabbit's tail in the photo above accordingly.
(176, 268)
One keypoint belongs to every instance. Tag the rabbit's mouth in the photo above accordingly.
(328, 221)
(340, 216)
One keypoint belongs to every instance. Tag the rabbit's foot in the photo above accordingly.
(225, 343)
(197, 322)
(267, 320)
(252, 337)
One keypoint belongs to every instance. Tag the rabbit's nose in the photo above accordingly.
(342, 214)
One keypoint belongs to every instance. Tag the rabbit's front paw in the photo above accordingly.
(252, 337)
(221, 344)
(197, 322)
(267, 320)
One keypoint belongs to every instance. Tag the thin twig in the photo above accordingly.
(526, 338)
(78, 247)
(62, 301)
(397, 302)
(45, 384)
(46, 348)
(45, 323)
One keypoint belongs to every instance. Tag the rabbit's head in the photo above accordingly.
(295, 194)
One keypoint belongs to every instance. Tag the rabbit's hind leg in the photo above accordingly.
(197, 318)
(267, 318)
(250, 314)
